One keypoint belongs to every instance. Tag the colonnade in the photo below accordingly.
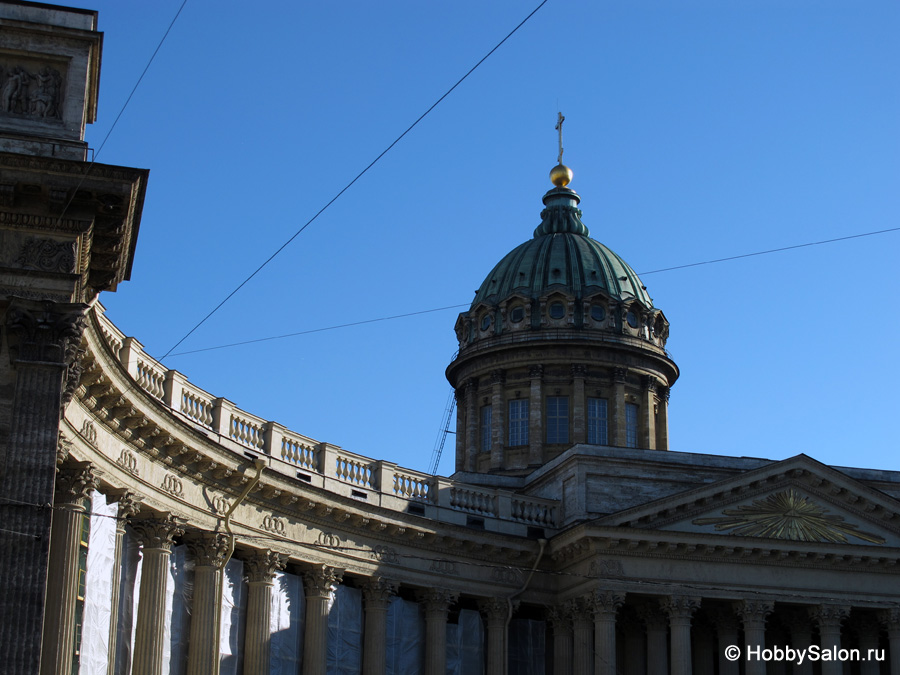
(601, 633)
(157, 534)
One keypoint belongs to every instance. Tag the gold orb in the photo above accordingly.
(561, 175)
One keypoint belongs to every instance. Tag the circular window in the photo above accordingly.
(485, 322)
(517, 314)
(598, 313)
(557, 310)
(632, 319)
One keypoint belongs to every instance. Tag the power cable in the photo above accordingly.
(348, 185)
(771, 250)
(441, 309)
(318, 330)
(121, 111)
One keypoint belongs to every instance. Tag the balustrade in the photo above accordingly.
(289, 451)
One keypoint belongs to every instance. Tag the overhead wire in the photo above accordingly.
(350, 184)
(121, 112)
(441, 309)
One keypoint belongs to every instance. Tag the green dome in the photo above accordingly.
(562, 256)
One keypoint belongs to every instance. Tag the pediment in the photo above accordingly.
(797, 499)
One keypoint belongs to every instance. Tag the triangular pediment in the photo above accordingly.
(797, 499)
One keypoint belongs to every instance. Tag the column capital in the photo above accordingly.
(494, 610)
(797, 621)
(753, 613)
(829, 617)
(320, 579)
(653, 616)
(208, 548)
(579, 370)
(127, 502)
(560, 618)
(865, 624)
(890, 618)
(536, 371)
(498, 376)
(680, 608)
(605, 603)
(578, 609)
(74, 483)
(261, 566)
(158, 531)
(619, 375)
(649, 383)
(44, 332)
(436, 599)
(724, 619)
(663, 393)
(377, 591)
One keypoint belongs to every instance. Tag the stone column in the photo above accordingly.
(703, 647)
(727, 632)
(753, 615)
(260, 568)
(128, 505)
(890, 619)
(319, 582)
(561, 621)
(156, 535)
(579, 404)
(73, 488)
(535, 417)
(647, 435)
(495, 612)
(634, 643)
(436, 603)
(43, 339)
(829, 619)
(208, 550)
(867, 629)
(662, 418)
(680, 609)
(377, 594)
(619, 437)
(657, 648)
(471, 438)
(799, 625)
(582, 635)
(605, 605)
(498, 417)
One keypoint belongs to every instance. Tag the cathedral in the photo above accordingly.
(150, 527)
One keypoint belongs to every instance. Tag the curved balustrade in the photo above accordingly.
(319, 464)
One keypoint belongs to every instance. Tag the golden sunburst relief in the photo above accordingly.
(788, 515)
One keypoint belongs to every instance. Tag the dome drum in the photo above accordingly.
(561, 346)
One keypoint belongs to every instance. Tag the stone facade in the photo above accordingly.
(557, 557)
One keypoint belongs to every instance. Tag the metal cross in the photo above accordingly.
(559, 129)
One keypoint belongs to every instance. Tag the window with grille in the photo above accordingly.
(518, 421)
(557, 419)
(597, 429)
(631, 425)
(485, 428)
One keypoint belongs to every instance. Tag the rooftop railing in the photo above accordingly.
(324, 465)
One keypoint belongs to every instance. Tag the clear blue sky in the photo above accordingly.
(697, 130)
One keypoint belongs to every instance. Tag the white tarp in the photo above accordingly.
(176, 630)
(527, 647)
(234, 616)
(465, 644)
(286, 623)
(98, 587)
(129, 585)
(345, 632)
(405, 639)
